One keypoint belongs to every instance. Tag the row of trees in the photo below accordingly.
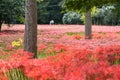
(12, 11)
(105, 15)
(53, 10)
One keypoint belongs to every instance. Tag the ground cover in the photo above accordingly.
(63, 54)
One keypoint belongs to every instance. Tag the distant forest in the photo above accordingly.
(54, 10)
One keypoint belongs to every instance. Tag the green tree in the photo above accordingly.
(86, 6)
(49, 10)
(71, 18)
(10, 11)
(107, 15)
(116, 12)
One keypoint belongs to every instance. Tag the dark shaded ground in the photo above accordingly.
(9, 32)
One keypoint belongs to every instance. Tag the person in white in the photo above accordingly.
(51, 22)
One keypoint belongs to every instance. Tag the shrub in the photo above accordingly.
(71, 18)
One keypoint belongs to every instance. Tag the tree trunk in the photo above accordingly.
(0, 26)
(88, 25)
(30, 35)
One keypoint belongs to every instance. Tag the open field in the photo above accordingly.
(66, 27)
(63, 53)
(67, 34)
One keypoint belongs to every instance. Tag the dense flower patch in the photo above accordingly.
(72, 64)
(63, 55)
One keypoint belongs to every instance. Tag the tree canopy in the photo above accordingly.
(52, 10)
(49, 10)
(85, 5)
(11, 11)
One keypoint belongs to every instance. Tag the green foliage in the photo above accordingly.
(72, 18)
(106, 15)
(43, 54)
(94, 10)
(85, 5)
(46, 52)
(2, 45)
(11, 11)
(39, 1)
(49, 10)
(117, 12)
(4, 56)
(75, 33)
(16, 74)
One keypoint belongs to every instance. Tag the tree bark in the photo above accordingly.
(0, 26)
(30, 35)
(88, 25)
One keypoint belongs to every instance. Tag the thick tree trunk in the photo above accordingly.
(30, 35)
(88, 25)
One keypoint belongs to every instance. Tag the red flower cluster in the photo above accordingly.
(73, 57)
(74, 64)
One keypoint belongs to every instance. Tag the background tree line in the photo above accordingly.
(12, 12)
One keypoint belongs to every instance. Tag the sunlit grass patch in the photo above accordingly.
(75, 33)
(118, 32)
(102, 33)
(2, 45)
(4, 55)
(50, 50)
(45, 51)
(5, 47)
(44, 54)
(56, 37)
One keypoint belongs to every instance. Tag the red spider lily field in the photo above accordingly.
(63, 54)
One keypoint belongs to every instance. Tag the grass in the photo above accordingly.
(46, 53)
(42, 54)
(16, 74)
(118, 32)
(75, 33)
(102, 33)
(2, 45)
(4, 56)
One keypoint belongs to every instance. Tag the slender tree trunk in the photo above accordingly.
(0, 26)
(88, 25)
(30, 35)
